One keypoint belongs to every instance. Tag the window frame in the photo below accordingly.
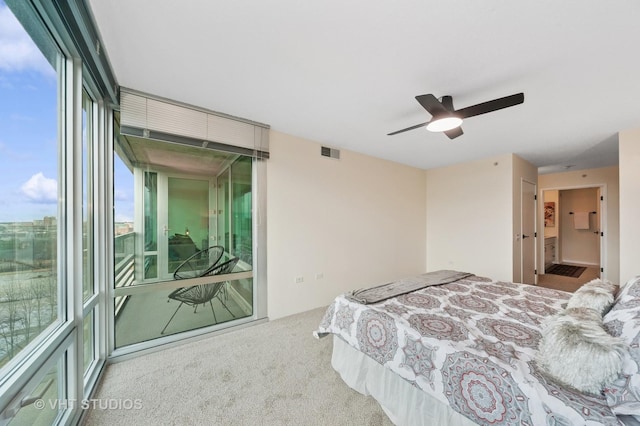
(69, 25)
(165, 284)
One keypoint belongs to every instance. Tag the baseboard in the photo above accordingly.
(579, 263)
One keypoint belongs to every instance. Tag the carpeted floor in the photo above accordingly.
(275, 373)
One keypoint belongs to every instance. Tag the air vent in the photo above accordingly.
(330, 152)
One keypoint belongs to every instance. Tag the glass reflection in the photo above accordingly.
(182, 213)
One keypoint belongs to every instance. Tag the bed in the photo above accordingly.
(465, 352)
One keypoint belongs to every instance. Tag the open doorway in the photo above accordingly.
(572, 237)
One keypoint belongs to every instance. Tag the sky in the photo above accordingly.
(28, 126)
(29, 131)
(123, 199)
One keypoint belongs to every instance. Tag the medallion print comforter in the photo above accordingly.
(471, 344)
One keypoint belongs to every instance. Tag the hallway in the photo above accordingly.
(559, 282)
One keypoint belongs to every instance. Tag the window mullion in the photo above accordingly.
(101, 222)
(74, 206)
(95, 304)
(108, 326)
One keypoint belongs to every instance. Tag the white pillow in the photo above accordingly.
(576, 351)
(596, 294)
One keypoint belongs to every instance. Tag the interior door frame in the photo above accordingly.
(602, 223)
(522, 230)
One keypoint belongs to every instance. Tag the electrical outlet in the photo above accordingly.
(299, 279)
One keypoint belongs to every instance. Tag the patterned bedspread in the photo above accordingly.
(471, 344)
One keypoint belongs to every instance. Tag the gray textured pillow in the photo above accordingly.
(623, 320)
(596, 294)
(576, 351)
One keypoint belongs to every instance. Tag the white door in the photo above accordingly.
(528, 233)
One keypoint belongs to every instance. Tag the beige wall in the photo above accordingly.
(607, 178)
(629, 145)
(469, 217)
(359, 221)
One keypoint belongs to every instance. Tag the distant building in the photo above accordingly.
(123, 228)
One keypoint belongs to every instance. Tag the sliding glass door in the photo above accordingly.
(176, 221)
(187, 218)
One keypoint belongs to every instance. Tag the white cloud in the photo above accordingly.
(40, 189)
(17, 50)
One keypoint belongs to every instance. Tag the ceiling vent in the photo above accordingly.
(330, 152)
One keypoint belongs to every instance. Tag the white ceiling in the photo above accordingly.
(346, 73)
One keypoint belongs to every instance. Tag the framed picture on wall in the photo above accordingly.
(549, 214)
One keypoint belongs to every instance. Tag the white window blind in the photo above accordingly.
(147, 116)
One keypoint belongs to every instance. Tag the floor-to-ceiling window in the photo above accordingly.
(33, 305)
(181, 214)
(68, 288)
(53, 124)
(31, 92)
(189, 222)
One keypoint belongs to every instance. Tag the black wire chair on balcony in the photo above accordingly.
(203, 293)
(199, 264)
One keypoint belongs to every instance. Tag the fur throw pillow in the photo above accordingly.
(596, 294)
(576, 351)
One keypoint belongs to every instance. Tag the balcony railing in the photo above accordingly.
(124, 269)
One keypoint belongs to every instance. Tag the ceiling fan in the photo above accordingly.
(448, 120)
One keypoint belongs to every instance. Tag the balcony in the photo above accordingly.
(143, 314)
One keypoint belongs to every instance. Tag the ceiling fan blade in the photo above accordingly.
(431, 104)
(489, 106)
(417, 126)
(454, 133)
(447, 102)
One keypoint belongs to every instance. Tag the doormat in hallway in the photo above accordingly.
(566, 270)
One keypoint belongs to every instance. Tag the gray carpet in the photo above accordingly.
(275, 373)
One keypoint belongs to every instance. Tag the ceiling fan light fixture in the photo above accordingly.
(444, 123)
